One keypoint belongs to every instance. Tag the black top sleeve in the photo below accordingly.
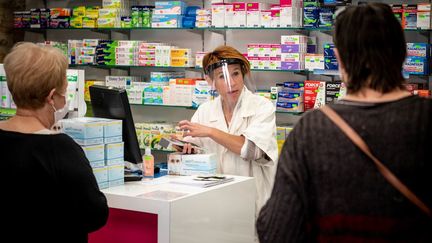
(80, 187)
(284, 215)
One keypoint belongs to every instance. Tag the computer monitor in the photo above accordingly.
(113, 103)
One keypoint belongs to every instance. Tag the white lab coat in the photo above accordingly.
(254, 118)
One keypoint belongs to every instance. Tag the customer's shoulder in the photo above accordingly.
(314, 116)
(62, 139)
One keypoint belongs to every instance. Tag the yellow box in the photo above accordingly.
(76, 22)
(89, 22)
(92, 12)
(108, 13)
(181, 62)
(181, 53)
(106, 22)
(79, 11)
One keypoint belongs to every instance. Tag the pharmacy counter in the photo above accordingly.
(162, 211)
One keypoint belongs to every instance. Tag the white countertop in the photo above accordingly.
(157, 192)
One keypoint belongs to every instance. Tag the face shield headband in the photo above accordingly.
(224, 62)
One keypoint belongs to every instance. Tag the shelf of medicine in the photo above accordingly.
(182, 28)
(166, 106)
(206, 28)
(194, 108)
(127, 67)
(197, 69)
(10, 112)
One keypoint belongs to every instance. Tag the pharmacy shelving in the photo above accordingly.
(197, 69)
(7, 112)
(197, 28)
(325, 72)
(222, 35)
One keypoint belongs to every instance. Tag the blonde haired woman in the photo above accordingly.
(49, 187)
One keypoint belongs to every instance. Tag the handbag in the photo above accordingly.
(388, 175)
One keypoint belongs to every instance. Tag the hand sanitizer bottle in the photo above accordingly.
(148, 164)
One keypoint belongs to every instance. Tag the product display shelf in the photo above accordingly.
(336, 73)
(324, 72)
(203, 28)
(167, 106)
(290, 112)
(197, 69)
(194, 108)
(128, 66)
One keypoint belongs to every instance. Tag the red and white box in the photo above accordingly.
(314, 94)
(239, 14)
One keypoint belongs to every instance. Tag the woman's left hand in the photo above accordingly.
(195, 129)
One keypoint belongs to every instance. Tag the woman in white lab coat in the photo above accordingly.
(238, 125)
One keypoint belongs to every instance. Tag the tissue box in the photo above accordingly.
(85, 131)
(97, 164)
(114, 150)
(115, 172)
(95, 152)
(103, 185)
(115, 183)
(117, 161)
(83, 128)
(101, 174)
(192, 164)
(113, 131)
(198, 164)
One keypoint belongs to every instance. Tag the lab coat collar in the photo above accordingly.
(245, 104)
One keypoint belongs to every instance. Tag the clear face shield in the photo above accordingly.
(227, 80)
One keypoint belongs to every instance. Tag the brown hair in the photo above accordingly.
(223, 52)
(371, 46)
(32, 71)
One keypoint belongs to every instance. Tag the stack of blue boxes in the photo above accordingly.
(417, 59)
(330, 61)
(101, 141)
(190, 17)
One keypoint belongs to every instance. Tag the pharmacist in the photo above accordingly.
(238, 125)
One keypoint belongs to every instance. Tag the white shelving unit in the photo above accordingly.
(197, 40)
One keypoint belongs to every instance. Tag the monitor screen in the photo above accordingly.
(113, 103)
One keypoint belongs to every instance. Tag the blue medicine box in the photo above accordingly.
(311, 13)
(83, 128)
(115, 172)
(330, 63)
(418, 49)
(94, 152)
(294, 85)
(329, 50)
(114, 150)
